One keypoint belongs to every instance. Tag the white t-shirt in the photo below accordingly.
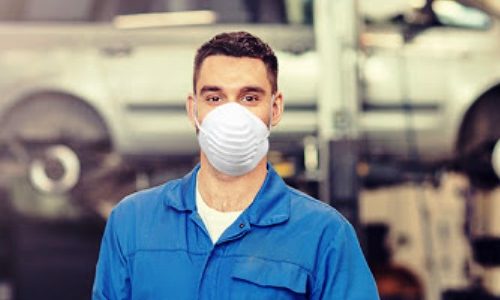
(215, 221)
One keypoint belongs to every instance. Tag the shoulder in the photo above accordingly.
(133, 215)
(305, 206)
(143, 202)
(328, 224)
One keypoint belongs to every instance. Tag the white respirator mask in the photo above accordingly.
(233, 139)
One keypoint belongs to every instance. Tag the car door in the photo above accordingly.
(149, 74)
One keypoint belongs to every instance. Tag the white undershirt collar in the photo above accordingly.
(216, 222)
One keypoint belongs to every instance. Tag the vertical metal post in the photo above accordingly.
(336, 29)
(343, 178)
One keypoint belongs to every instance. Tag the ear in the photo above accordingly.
(190, 109)
(277, 108)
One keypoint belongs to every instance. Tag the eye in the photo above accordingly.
(250, 98)
(213, 98)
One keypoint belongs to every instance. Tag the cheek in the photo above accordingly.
(262, 113)
(202, 111)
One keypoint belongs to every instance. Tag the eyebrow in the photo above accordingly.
(246, 89)
(253, 89)
(210, 88)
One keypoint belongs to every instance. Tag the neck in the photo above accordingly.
(229, 193)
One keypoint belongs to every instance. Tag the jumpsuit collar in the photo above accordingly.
(271, 204)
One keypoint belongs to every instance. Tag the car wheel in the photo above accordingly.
(479, 136)
(64, 148)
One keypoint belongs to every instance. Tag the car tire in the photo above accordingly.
(479, 135)
(59, 142)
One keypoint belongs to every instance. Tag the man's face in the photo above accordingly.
(223, 79)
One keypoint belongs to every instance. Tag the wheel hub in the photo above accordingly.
(58, 171)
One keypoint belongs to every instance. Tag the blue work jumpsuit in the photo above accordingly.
(285, 245)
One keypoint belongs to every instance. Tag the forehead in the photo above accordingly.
(229, 72)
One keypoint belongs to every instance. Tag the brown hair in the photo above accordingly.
(238, 44)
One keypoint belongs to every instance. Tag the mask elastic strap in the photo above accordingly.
(196, 121)
(271, 114)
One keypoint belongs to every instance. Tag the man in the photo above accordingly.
(231, 229)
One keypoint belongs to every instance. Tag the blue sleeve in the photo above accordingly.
(342, 270)
(112, 280)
